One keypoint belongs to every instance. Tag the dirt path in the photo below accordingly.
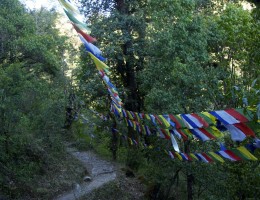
(101, 172)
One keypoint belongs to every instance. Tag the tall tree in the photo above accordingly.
(121, 33)
(31, 94)
(120, 29)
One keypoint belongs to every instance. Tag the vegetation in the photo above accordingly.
(32, 104)
(171, 56)
(177, 57)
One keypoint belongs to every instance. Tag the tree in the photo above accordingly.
(194, 57)
(123, 46)
(32, 96)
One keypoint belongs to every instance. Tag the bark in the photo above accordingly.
(127, 67)
(190, 177)
(114, 140)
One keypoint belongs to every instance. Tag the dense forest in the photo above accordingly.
(164, 57)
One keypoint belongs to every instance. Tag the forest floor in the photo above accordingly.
(108, 180)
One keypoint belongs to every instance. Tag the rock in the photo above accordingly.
(87, 178)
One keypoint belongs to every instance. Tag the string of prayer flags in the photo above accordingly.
(234, 154)
(164, 133)
(111, 89)
(164, 120)
(177, 123)
(94, 53)
(240, 153)
(200, 125)
(204, 126)
(205, 134)
(130, 140)
(146, 130)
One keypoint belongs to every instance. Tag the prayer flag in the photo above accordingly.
(236, 115)
(215, 156)
(99, 64)
(174, 144)
(236, 133)
(86, 36)
(224, 117)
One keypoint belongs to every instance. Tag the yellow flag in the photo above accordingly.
(212, 118)
(246, 153)
(129, 115)
(178, 155)
(99, 64)
(164, 121)
(216, 156)
(119, 110)
(137, 117)
(193, 156)
(147, 117)
(214, 130)
(131, 142)
(134, 124)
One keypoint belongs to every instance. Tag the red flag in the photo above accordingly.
(206, 133)
(232, 155)
(175, 121)
(84, 35)
(236, 115)
(157, 118)
(207, 157)
(245, 129)
(201, 120)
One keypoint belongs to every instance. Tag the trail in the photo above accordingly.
(101, 172)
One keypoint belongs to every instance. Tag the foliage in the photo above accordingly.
(175, 56)
(32, 103)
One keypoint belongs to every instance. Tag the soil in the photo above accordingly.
(106, 177)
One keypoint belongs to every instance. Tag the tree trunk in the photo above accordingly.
(190, 177)
(128, 67)
(190, 180)
(114, 139)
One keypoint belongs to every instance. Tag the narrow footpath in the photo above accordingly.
(100, 173)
